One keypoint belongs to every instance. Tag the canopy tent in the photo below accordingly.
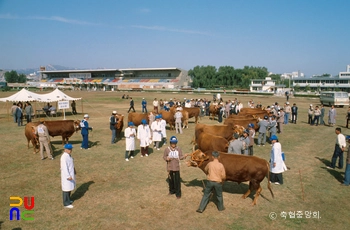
(25, 95)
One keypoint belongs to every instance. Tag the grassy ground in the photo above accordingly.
(114, 194)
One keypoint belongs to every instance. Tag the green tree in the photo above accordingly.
(13, 77)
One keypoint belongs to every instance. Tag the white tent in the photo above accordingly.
(23, 95)
(57, 95)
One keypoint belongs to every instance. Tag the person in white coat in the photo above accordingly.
(130, 134)
(144, 135)
(163, 125)
(277, 165)
(156, 128)
(67, 175)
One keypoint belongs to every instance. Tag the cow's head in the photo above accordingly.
(197, 158)
(76, 125)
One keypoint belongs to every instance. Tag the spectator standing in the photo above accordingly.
(322, 115)
(310, 114)
(277, 165)
(340, 144)
(163, 128)
(172, 155)
(13, 112)
(287, 112)
(246, 142)
(294, 113)
(263, 124)
(272, 126)
(280, 120)
(68, 172)
(317, 113)
(235, 146)
(155, 105)
(251, 139)
(44, 139)
(144, 135)
(156, 129)
(74, 107)
(19, 114)
(112, 122)
(347, 169)
(29, 111)
(332, 114)
(130, 134)
(216, 175)
(178, 121)
(84, 124)
(144, 105)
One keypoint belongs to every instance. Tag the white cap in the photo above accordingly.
(114, 112)
(143, 98)
(86, 115)
(310, 104)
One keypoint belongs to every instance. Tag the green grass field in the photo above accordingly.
(114, 194)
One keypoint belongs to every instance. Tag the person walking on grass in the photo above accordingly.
(131, 105)
(130, 134)
(68, 172)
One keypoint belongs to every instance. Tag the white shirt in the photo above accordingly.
(341, 140)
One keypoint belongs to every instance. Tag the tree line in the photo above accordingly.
(227, 76)
(13, 77)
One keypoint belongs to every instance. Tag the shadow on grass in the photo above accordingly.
(94, 143)
(80, 192)
(336, 174)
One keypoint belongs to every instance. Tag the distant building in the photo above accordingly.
(112, 79)
(292, 75)
(339, 83)
(265, 85)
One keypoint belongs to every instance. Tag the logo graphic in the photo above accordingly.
(27, 206)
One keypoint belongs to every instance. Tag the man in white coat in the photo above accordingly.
(156, 128)
(67, 175)
(144, 135)
(163, 125)
(130, 134)
(277, 165)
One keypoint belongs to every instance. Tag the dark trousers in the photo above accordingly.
(294, 118)
(337, 153)
(207, 191)
(144, 150)
(309, 121)
(66, 198)
(74, 110)
(29, 118)
(276, 177)
(144, 109)
(174, 183)
(85, 143)
(315, 121)
(347, 123)
(127, 154)
(131, 107)
(250, 150)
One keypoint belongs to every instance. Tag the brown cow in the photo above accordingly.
(136, 118)
(120, 125)
(257, 112)
(242, 121)
(65, 128)
(225, 131)
(238, 168)
(29, 132)
(206, 141)
(193, 112)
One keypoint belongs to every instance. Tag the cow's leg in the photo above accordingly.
(257, 195)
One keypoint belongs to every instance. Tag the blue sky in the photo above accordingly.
(307, 35)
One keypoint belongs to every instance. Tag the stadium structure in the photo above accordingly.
(115, 79)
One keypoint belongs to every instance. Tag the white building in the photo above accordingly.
(292, 75)
(265, 85)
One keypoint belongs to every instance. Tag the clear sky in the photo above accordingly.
(312, 36)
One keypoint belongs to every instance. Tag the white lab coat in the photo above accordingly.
(156, 128)
(67, 170)
(129, 140)
(163, 124)
(144, 135)
(276, 157)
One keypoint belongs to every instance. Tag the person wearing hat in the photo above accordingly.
(144, 135)
(332, 114)
(112, 123)
(131, 105)
(144, 105)
(216, 175)
(130, 134)
(172, 155)
(68, 182)
(277, 165)
(156, 128)
(246, 141)
(178, 120)
(251, 139)
(84, 124)
(287, 111)
(263, 124)
(236, 145)
(44, 139)
(294, 113)
(347, 167)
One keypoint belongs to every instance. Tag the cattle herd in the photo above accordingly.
(207, 138)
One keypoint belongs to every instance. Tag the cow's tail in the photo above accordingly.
(193, 142)
(268, 179)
